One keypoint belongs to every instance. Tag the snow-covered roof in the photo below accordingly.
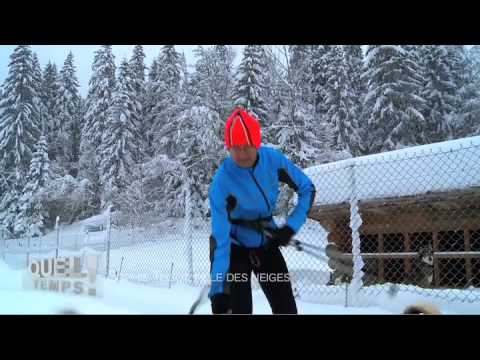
(97, 220)
(439, 167)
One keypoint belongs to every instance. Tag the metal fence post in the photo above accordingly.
(346, 294)
(28, 251)
(58, 235)
(188, 233)
(4, 243)
(355, 222)
(109, 223)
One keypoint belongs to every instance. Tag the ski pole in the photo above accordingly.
(201, 299)
(299, 245)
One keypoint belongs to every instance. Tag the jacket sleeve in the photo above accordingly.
(296, 179)
(220, 240)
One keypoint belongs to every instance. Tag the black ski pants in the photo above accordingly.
(271, 271)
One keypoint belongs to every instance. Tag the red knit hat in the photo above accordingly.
(242, 129)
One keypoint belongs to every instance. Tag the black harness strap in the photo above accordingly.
(258, 225)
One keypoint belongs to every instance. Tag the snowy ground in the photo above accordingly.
(154, 274)
(124, 297)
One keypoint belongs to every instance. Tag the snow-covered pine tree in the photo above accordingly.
(120, 149)
(354, 62)
(98, 102)
(19, 119)
(32, 213)
(474, 57)
(277, 91)
(186, 93)
(19, 130)
(319, 54)
(38, 83)
(202, 143)
(99, 98)
(302, 66)
(38, 87)
(170, 69)
(472, 115)
(69, 116)
(168, 101)
(294, 130)
(9, 202)
(393, 106)
(291, 113)
(151, 99)
(458, 63)
(250, 91)
(439, 92)
(468, 103)
(323, 129)
(198, 84)
(49, 96)
(419, 54)
(341, 109)
(213, 78)
(159, 181)
(138, 69)
(185, 75)
(274, 84)
(75, 136)
(415, 52)
(225, 80)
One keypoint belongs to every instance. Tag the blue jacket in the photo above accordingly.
(255, 191)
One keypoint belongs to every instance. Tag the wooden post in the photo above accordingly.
(436, 268)
(468, 261)
(381, 270)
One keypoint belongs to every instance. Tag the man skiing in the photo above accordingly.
(244, 237)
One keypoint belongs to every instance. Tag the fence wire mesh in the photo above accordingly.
(406, 221)
(418, 219)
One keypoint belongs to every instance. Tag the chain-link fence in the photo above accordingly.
(406, 221)
(409, 218)
(19, 253)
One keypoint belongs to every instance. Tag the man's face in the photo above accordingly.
(244, 156)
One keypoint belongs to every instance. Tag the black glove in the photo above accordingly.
(282, 235)
(220, 304)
